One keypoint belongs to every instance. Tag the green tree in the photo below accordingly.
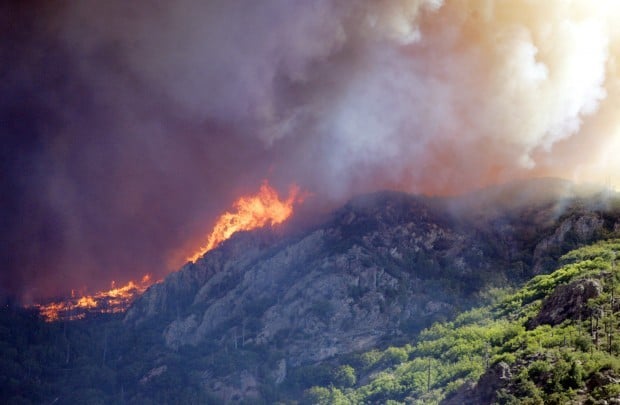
(344, 376)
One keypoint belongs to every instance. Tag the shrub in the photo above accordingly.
(393, 356)
(344, 376)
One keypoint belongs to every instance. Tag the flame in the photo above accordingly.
(251, 212)
(108, 302)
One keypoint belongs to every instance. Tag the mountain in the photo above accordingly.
(556, 340)
(382, 268)
(271, 313)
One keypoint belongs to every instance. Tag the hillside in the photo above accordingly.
(269, 314)
(554, 341)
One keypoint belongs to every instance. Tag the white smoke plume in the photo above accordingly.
(463, 91)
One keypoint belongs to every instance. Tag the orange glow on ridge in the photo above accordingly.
(108, 302)
(251, 212)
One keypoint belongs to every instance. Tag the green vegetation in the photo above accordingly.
(93, 361)
(575, 360)
(100, 360)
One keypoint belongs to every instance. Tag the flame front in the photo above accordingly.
(251, 212)
(112, 301)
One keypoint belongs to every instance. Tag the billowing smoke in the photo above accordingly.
(130, 125)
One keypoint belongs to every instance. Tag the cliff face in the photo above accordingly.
(373, 271)
(333, 313)
(383, 267)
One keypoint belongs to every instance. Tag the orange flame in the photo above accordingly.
(251, 212)
(108, 302)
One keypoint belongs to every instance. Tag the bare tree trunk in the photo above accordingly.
(596, 334)
(67, 357)
(243, 333)
(428, 377)
(105, 346)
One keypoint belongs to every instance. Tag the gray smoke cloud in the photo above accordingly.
(150, 117)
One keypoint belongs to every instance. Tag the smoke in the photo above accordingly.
(130, 125)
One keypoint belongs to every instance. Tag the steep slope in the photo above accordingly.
(554, 341)
(381, 269)
(368, 273)
(340, 306)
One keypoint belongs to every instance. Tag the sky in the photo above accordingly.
(128, 127)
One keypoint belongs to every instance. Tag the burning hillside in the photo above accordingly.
(250, 212)
(115, 300)
(123, 141)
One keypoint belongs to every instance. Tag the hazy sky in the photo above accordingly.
(128, 126)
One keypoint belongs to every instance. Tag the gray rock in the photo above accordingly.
(484, 391)
(382, 268)
(568, 301)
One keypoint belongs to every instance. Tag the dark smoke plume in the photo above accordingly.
(128, 127)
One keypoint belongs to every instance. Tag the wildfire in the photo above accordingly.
(251, 212)
(115, 300)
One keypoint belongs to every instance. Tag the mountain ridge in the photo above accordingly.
(339, 306)
(380, 269)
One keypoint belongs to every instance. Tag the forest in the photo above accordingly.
(552, 341)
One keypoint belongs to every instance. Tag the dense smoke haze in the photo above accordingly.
(127, 127)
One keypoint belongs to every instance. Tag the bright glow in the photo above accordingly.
(251, 212)
(115, 300)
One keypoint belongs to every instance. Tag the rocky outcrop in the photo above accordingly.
(568, 301)
(573, 230)
(381, 268)
(369, 274)
(238, 388)
(484, 391)
(153, 373)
